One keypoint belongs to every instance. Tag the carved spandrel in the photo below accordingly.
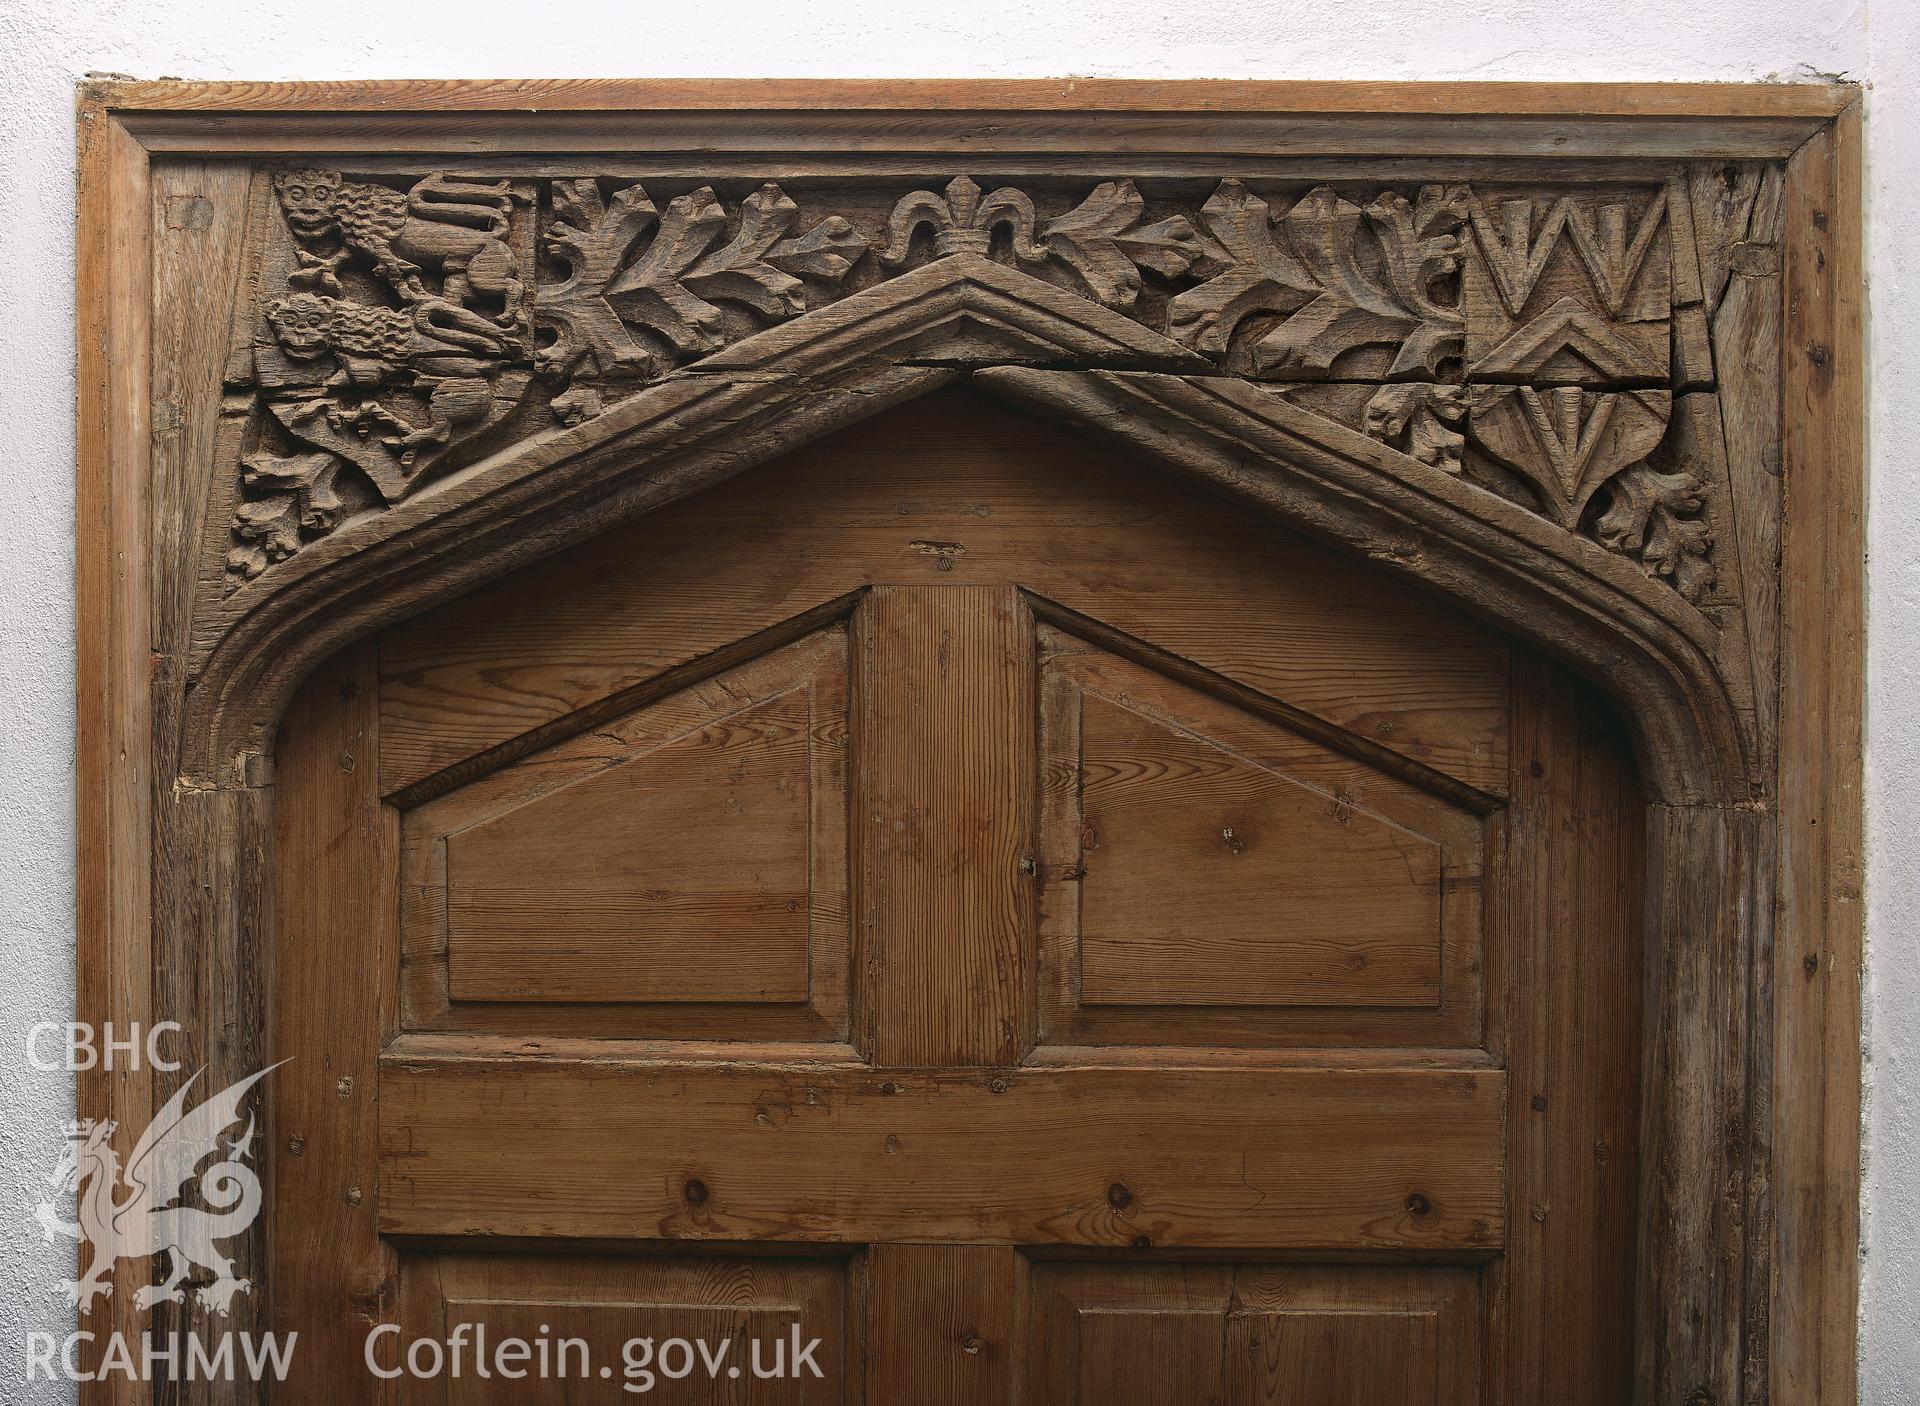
(1519, 336)
(403, 332)
(1613, 466)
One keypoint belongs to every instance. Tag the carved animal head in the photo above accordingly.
(310, 325)
(302, 325)
(310, 199)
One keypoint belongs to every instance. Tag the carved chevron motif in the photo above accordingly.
(1567, 440)
(1571, 288)
(409, 326)
(1517, 253)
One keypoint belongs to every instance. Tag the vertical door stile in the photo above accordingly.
(945, 820)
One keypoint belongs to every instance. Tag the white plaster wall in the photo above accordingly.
(45, 46)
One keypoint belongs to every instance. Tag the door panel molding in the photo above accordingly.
(1271, 809)
(1474, 335)
(684, 912)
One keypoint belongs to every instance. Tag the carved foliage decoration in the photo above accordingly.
(1340, 277)
(1420, 418)
(642, 285)
(1101, 239)
(1518, 337)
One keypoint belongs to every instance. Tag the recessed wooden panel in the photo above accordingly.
(1335, 1358)
(1212, 875)
(687, 858)
(1159, 1356)
(1255, 1335)
(586, 1309)
(1298, 1158)
(679, 875)
(1211, 879)
(955, 489)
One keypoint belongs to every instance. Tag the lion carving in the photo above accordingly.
(455, 226)
(447, 351)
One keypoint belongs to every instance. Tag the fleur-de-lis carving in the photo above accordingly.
(963, 221)
(1101, 239)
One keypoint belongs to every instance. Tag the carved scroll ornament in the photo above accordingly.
(1531, 341)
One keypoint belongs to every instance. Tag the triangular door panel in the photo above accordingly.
(1214, 879)
(1215, 874)
(689, 852)
(679, 875)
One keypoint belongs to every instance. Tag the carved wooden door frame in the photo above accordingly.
(1582, 359)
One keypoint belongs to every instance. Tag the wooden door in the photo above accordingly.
(1047, 933)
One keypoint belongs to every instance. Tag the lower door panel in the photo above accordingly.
(917, 1325)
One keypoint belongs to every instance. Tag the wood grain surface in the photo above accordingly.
(1298, 1158)
(261, 912)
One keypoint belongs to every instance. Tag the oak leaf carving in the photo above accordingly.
(1341, 278)
(1102, 240)
(1654, 517)
(631, 264)
(591, 237)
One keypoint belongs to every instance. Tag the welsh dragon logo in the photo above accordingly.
(144, 1220)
